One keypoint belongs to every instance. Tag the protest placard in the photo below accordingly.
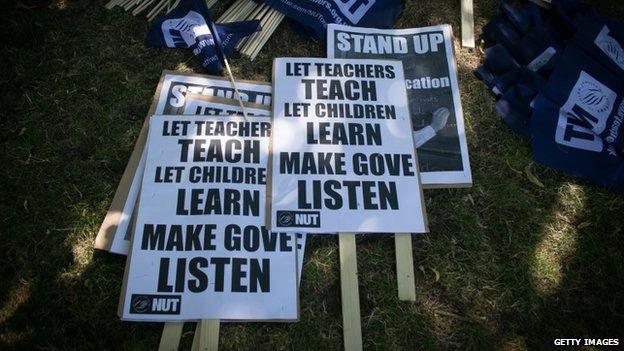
(343, 156)
(198, 104)
(199, 249)
(432, 90)
(170, 98)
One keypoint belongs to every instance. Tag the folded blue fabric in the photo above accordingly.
(189, 26)
(563, 142)
(514, 109)
(521, 75)
(522, 18)
(603, 40)
(498, 61)
(316, 15)
(501, 31)
(586, 90)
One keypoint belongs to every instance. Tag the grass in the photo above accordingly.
(510, 264)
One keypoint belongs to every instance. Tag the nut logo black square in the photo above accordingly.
(304, 219)
(155, 304)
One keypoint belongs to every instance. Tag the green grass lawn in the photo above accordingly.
(510, 264)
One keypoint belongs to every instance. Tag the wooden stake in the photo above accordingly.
(142, 7)
(272, 26)
(349, 292)
(206, 335)
(467, 17)
(405, 267)
(245, 49)
(156, 10)
(111, 4)
(230, 11)
(258, 13)
(170, 338)
(272, 20)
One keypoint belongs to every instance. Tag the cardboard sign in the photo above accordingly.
(199, 250)
(170, 98)
(206, 105)
(343, 156)
(432, 90)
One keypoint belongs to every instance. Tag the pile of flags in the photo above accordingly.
(313, 16)
(189, 26)
(558, 77)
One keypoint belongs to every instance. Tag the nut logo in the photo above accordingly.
(141, 303)
(285, 219)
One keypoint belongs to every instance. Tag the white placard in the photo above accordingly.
(432, 91)
(343, 156)
(199, 250)
(174, 94)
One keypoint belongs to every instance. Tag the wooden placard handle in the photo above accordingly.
(405, 266)
(170, 338)
(349, 292)
(206, 335)
(467, 24)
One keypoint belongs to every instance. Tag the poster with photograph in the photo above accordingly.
(343, 155)
(432, 90)
(200, 249)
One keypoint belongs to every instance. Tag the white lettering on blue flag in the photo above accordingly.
(591, 101)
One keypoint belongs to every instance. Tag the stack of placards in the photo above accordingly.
(200, 249)
(211, 207)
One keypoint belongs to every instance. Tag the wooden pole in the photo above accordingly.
(405, 266)
(349, 292)
(206, 335)
(467, 26)
(170, 338)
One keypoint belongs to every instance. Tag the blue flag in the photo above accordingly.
(589, 92)
(563, 142)
(524, 18)
(316, 14)
(603, 40)
(498, 61)
(190, 26)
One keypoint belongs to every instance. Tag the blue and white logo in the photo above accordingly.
(182, 32)
(354, 10)
(591, 101)
(610, 47)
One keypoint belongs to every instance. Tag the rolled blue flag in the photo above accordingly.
(539, 50)
(567, 11)
(519, 87)
(563, 142)
(522, 18)
(498, 61)
(590, 93)
(514, 109)
(315, 15)
(603, 40)
(189, 26)
(501, 31)
(521, 75)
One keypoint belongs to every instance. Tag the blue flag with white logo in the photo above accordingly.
(603, 40)
(563, 142)
(316, 14)
(590, 93)
(189, 26)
